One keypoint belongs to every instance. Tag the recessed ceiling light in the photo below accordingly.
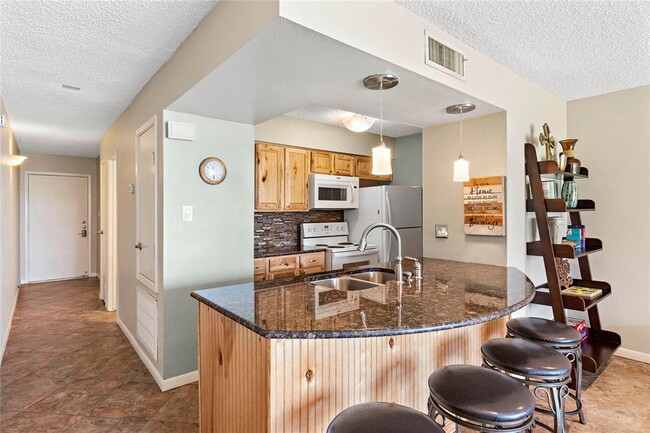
(68, 86)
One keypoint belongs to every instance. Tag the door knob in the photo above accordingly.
(139, 246)
(100, 232)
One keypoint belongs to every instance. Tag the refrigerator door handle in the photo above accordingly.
(389, 211)
(389, 243)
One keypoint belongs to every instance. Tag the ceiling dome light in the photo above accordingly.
(358, 122)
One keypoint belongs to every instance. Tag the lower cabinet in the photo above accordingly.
(272, 268)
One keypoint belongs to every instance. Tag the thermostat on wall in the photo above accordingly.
(181, 131)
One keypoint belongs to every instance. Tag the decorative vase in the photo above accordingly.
(570, 193)
(572, 163)
(561, 161)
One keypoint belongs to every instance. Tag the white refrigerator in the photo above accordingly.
(399, 206)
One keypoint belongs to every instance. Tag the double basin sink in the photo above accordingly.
(359, 281)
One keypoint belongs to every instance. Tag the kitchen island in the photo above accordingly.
(288, 355)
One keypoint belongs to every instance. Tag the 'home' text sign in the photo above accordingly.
(484, 199)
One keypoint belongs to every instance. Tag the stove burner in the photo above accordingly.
(335, 246)
(321, 245)
(346, 243)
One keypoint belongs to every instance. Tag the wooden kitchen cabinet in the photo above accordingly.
(322, 162)
(296, 179)
(269, 177)
(343, 165)
(270, 268)
(363, 169)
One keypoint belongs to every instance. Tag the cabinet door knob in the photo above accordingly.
(138, 246)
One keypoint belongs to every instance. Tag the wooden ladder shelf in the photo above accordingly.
(601, 345)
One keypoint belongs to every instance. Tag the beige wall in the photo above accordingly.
(484, 146)
(229, 26)
(63, 164)
(613, 133)
(314, 135)
(9, 229)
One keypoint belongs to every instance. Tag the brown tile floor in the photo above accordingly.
(68, 367)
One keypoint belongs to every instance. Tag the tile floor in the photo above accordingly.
(68, 368)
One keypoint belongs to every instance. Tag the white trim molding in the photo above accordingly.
(634, 355)
(5, 338)
(163, 384)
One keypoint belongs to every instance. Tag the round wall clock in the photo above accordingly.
(212, 170)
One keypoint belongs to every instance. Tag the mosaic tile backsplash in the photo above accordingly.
(280, 231)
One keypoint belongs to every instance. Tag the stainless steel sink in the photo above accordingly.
(375, 277)
(345, 283)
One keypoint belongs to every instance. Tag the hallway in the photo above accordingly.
(68, 367)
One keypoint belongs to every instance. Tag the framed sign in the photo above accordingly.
(484, 203)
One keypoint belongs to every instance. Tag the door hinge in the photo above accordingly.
(154, 251)
(153, 157)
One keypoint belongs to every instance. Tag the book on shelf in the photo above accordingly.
(583, 292)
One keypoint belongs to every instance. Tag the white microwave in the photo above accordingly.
(333, 192)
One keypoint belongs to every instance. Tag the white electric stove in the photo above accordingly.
(340, 251)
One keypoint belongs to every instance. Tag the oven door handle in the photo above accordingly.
(355, 254)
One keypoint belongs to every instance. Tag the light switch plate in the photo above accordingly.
(131, 188)
(441, 231)
(188, 213)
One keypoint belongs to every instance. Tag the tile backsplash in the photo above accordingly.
(281, 230)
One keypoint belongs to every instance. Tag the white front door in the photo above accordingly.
(146, 205)
(58, 227)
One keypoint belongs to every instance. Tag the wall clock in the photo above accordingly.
(212, 170)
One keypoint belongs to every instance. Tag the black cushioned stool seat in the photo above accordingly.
(558, 336)
(382, 418)
(480, 398)
(544, 331)
(535, 366)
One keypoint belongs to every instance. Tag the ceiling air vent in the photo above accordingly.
(445, 58)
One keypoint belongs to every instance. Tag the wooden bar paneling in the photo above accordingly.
(252, 384)
(234, 376)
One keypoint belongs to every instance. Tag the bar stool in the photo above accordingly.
(536, 366)
(480, 399)
(558, 336)
(382, 418)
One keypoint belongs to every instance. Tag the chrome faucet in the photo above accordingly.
(363, 243)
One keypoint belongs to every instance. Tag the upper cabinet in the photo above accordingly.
(296, 175)
(343, 164)
(269, 177)
(363, 169)
(282, 174)
(322, 162)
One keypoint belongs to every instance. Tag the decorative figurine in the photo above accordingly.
(563, 268)
(548, 141)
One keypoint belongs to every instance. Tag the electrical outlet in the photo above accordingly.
(188, 213)
(441, 231)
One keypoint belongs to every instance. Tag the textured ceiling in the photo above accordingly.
(333, 116)
(573, 49)
(108, 48)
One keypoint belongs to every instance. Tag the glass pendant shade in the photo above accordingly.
(358, 123)
(16, 160)
(461, 170)
(381, 163)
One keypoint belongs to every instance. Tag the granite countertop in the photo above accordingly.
(451, 294)
(275, 252)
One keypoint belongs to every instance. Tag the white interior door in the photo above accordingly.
(146, 205)
(58, 245)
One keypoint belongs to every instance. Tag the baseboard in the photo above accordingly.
(634, 355)
(5, 338)
(163, 384)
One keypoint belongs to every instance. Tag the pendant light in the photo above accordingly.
(381, 159)
(461, 165)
